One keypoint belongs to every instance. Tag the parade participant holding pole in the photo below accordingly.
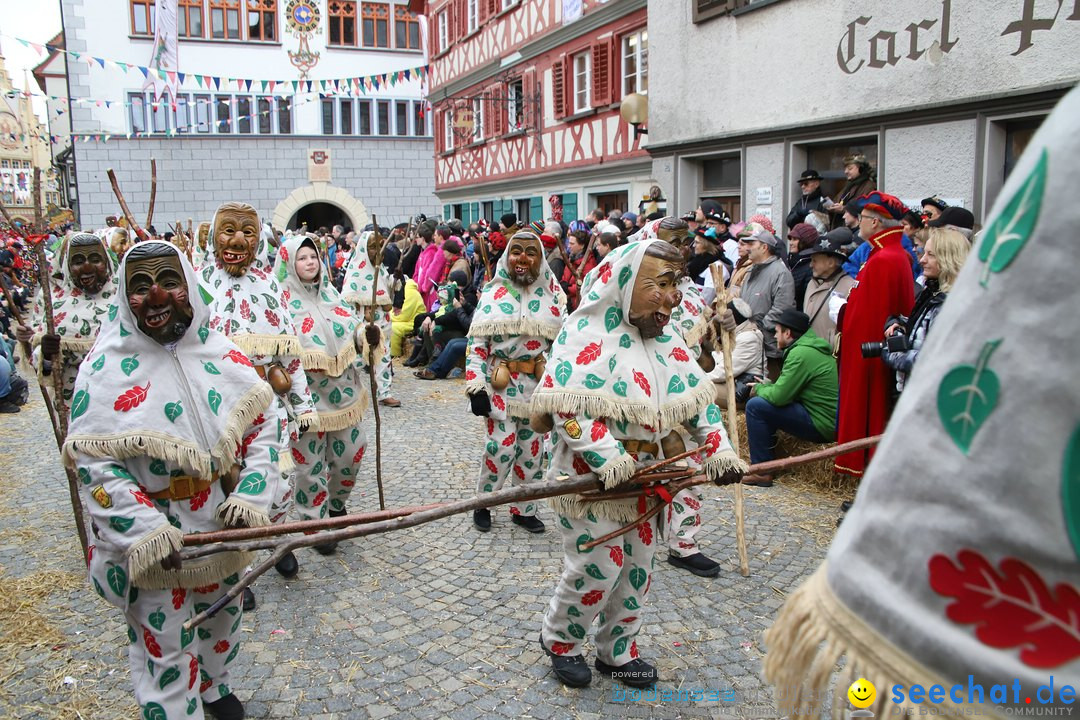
(172, 432)
(362, 275)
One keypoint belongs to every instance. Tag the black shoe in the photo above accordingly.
(530, 522)
(327, 548)
(846, 505)
(227, 708)
(636, 673)
(572, 670)
(287, 566)
(840, 519)
(338, 513)
(482, 519)
(6, 406)
(249, 600)
(696, 563)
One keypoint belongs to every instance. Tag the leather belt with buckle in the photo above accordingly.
(182, 487)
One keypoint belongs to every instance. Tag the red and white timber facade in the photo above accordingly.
(526, 107)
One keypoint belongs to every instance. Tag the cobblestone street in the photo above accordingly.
(435, 621)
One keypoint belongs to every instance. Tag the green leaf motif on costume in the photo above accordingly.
(121, 524)
(213, 397)
(534, 306)
(688, 522)
(204, 332)
(624, 276)
(619, 388)
(253, 484)
(492, 448)
(339, 329)
(616, 631)
(612, 319)
(563, 371)
(79, 403)
(301, 497)
(562, 338)
(663, 338)
(572, 611)
(631, 603)
(271, 301)
(339, 447)
(594, 381)
(576, 630)
(625, 341)
(158, 467)
(192, 706)
(582, 539)
(334, 397)
(84, 476)
(1014, 225)
(565, 523)
(117, 579)
(660, 359)
(620, 646)
(676, 385)
(712, 414)
(153, 711)
(173, 410)
(206, 296)
(124, 332)
(112, 312)
(211, 368)
(156, 619)
(966, 397)
(692, 380)
(594, 459)
(638, 577)
(99, 363)
(611, 364)
(593, 571)
(1070, 489)
(84, 329)
(297, 305)
(506, 308)
(582, 323)
(318, 341)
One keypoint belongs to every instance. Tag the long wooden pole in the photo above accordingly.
(727, 340)
(376, 266)
(138, 231)
(153, 192)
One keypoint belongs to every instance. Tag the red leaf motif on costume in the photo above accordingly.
(680, 355)
(555, 310)
(178, 596)
(548, 382)
(193, 671)
(358, 456)
(691, 309)
(590, 353)
(341, 312)
(532, 345)
(140, 497)
(490, 426)
(497, 401)
(592, 597)
(633, 647)
(599, 430)
(272, 318)
(643, 383)
(90, 554)
(560, 648)
(245, 309)
(1011, 607)
(283, 253)
(306, 325)
(131, 398)
(246, 443)
(151, 642)
(294, 366)
(692, 503)
(207, 588)
(514, 511)
(630, 619)
(509, 439)
(605, 272)
(480, 353)
(470, 375)
(59, 318)
(580, 466)
(319, 499)
(347, 483)
(221, 646)
(519, 472)
(685, 545)
(298, 457)
(491, 466)
(199, 499)
(535, 449)
(616, 554)
(644, 531)
(237, 357)
(500, 293)
(713, 440)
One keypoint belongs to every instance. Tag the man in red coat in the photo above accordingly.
(882, 289)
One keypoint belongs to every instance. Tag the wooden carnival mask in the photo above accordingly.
(88, 264)
(655, 293)
(236, 237)
(523, 257)
(157, 291)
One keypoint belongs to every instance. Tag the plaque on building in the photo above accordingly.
(318, 166)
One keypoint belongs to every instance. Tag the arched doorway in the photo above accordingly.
(318, 215)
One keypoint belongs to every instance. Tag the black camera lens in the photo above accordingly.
(871, 349)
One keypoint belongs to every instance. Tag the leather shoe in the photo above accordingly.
(227, 708)
(390, 402)
(530, 522)
(249, 600)
(636, 673)
(327, 548)
(846, 505)
(482, 519)
(757, 480)
(697, 564)
(572, 670)
(287, 566)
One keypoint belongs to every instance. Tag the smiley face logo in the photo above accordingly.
(862, 693)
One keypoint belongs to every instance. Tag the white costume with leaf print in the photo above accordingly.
(512, 323)
(193, 409)
(604, 385)
(360, 277)
(326, 460)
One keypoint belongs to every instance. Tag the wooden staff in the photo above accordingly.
(727, 340)
(153, 192)
(139, 232)
(27, 350)
(584, 258)
(482, 245)
(376, 266)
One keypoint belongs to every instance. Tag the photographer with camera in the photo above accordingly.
(945, 253)
(747, 357)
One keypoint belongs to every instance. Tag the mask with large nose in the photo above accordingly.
(88, 266)
(236, 237)
(157, 292)
(523, 256)
(655, 294)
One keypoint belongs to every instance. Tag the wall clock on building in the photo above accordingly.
(9, 131)
(302, 17)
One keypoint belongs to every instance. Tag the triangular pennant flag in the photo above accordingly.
(239, 84)
(108, 103)
(74, 54)
(375, 82)
(264, 83)
(101, 62)
(407, 74)
(198, 80)
(25, 43)
(217, 83)
(163, 74)
(247, 84)
(122, 66)
(180, 76)
(272, 84)
(393, 79)
(171, 75)
(145, 71)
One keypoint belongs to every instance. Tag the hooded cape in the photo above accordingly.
(361, 276)
(78, 317)
(959, 563)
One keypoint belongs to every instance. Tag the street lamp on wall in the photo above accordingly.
(635, 110)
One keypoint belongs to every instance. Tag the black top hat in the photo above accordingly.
(717, 215)
(809, 175)
(793, 319)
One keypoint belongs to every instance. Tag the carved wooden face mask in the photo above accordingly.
(655, 295)
(236, 237)
(157, 292)
(88, 265)
(523, 259)
(374, 244)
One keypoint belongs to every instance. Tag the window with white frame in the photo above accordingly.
(382, 117)
(515, 105)
(444, 30)
(448, 130)
(472, 14)
(363, 117)
(401, 117)
(420, 118)
(137, 112)
(219, 114)
(478, 118)
(507, 4)
(635, 63)
(582, 67)
(345, 117)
